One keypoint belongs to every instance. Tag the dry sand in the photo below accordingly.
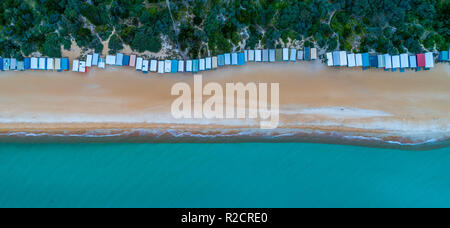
(406, 107)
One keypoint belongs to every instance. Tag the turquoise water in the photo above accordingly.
(221, 175)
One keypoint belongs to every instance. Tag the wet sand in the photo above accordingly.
(408, 108)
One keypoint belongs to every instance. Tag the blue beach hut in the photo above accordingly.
(307, 53)
(64, 64)
(365, 60)
(336, 58)
(27, 63)
(443, 56)
(412, 62)
(221, 60)
(126, 60)
(6, 64)
(174, 66)
(241, 59)
(195, 65)
(272, 55)
(1, 64)
(374, 61)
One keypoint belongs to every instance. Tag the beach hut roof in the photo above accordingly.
(246, 55)
(387, 61)
(42, 63)
(201, 65)
(221, 60)
(272, 55)
(251, 55)
(228, 59)
(429, 60)
(153, 65)
(299, 54)
(234, 59)
(308, 54)
(395, 61)
(95, 58)
(285, 54)
(241, 59)
(82, 67)
(145, 65)
(351, 61)
(343, 58)
(180, 65)
(279, 54)
(126, 60)
(373, 61)
(21, 65)
(65, 64)
(188, 65)
(208, 64)
(167, 66)
(293, 57)
(443, 56)
(215, 62)
(313, 53)
(404, 61)
(110, 59)
(119, 59)
(161, 67)
(27, 63)
(195, 65)
(358, 59)
(266, 55)
(89, 60)
(101, 62)
(138, 63)
(336, 58)
(50, 65)
(75, 65)
(412, 61)
(329, 59)
(381, 62)
(420, 60)
(258, 55)
(365, 59)
(132, 60)
(174, 66)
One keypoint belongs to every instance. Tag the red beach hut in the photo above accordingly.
(421, 60)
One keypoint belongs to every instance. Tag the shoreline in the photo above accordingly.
(316, 103)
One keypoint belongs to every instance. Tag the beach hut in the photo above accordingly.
(373, 61)
(251, 55)
(139, 63)
(174, 66)
(387, 61)
(58, 64)
(443, 56)
(1, 64)
(358, 60)
(126, 60)
(153, 65)
(160, 67)
(119, 59)
(228, 59)
(307, 56)
(167, 66)
(420, 60)
(279, 55)
(82, 67)
(102, 63)
(272, 55)
(50, 64)
(404, 61)
(145, 66)
(111, 60)
(75, 65)
(27, 63)
(180, 65)
(395, 62)
(285, 54)
(195, 64)
(258, 55)
(343, 58)
(299, 55)
(42, 63)
(234, 59)
(265, 55)
(215, 62)
(20, 65)
(95, 59)
(221, 60)
(208, 63)
(13, 64)
(246, 55)
(188, 65)
(412, 61)
(293, 56)
(241, 59)
(381, 62)
(34, 63)
(365, 60)
(429, 60)
(201, 65)
(329, 59)
(313, 53)
(6, 64)
(336, 58)
(65, 65)
(351, 61)
(89, 60)
(133, 61)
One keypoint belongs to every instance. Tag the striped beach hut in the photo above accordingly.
(126, 60)
(75, 65)
(381, 62)
(420, 60)
(111, 60)
(258, 55)
(138, 63)
(429, 60)
(329, 59)
(395, 62)
(65, 64)
(228, 59)
(167, 66)
(307, 56)
(201, 65)
(358, 60)
(279, 55)
(351, 61)
(251, 55)
(373, 61)
(293, 57)
(285, 54)
(221, 60)
(266, 55)
(13, 64)
(195, 65)
(174, 66)
(188, 65)
(313, 53)
(160, 67)
(102, 63)
(412, 61)
(58, 64)
(153, 65)
(50, 64)
(95, 59)
(336, 58)
(27, 63)
(82, 67)
(145, 66)
(343, 58)
(180, 65)
(133, 61)
(272, 55)
(234, 59)
(365, 60)
(241, 59)
(208, 63)
(215, 62)
(387, 61)
(89, 60)
(119, 59)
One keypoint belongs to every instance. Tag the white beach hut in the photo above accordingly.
(251, 55)
(343, 58)
(95, 59)
(34, 63)
(214, 62)
(285, 54)
(300, 55)
(351, 60)
(88, 60)
(258, 55)
(358, 60)
(75, 65)
(161, 67)
(201, 65)
(58, 64)
(50, 64)
(145, 66)
(42, 63)
(329, 59)
(208, 63)
(313, 53)
(272, 55)
(102, 63)
(82, 67)
(412, 61)
(429, 60)
(13, 64)
(167, 66)
(180, 65)
(246, 55)
(395, 61)
(234, 59)
(119, 59)
(153, 65)
(293, 57)
(387, 61)
(188, 65)
(381, 62)
(404, 61)
(111, 60)
(138, 63)
(228, 58)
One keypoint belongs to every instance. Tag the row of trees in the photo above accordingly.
(201, 27)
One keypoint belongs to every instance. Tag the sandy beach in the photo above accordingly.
(402, 108)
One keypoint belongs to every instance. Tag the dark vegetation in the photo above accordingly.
(209, 27)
